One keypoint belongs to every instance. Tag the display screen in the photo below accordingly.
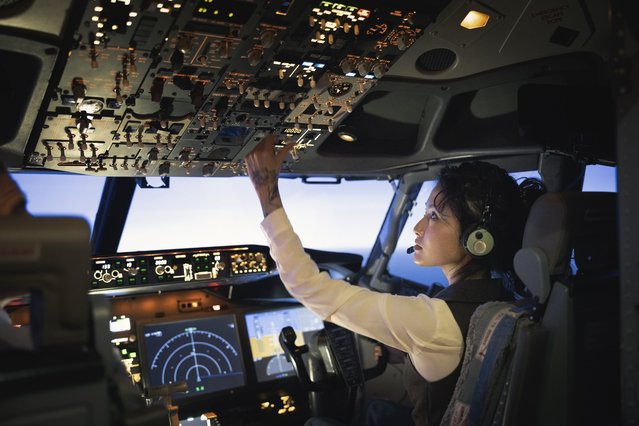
(203, 352)
(264, 329)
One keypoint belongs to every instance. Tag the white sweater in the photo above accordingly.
(421, 326)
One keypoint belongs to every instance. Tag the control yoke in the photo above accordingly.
(335, 349)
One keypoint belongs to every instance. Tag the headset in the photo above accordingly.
(477, 239)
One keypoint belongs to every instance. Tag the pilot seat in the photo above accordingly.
(69, 375)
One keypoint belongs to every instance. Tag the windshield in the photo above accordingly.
(596, 178)
(195, 212)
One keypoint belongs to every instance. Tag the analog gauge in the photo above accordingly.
(91, 106)
(340, 89)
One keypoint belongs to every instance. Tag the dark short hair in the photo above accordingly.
(467, 188)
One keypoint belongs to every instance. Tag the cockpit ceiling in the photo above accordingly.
(363, 89)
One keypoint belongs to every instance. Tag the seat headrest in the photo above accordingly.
(48, 258)
(583, 221)
(559, 223)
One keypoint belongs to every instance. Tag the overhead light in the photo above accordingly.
(346, 133)
(474, 19)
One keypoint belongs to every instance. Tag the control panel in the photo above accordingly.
(179, 87)
(129, 273)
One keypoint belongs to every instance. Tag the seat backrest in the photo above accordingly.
(525, 361)
(481, 391)
(569, 262)
(69, 374)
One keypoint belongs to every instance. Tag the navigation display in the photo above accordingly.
(204, 353)
(264, 329)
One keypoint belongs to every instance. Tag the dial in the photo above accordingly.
(340, 89)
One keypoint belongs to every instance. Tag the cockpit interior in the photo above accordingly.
(150, 296)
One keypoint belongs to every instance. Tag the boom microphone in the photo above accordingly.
(410, 250)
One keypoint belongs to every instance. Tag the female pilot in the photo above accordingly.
(472, 227)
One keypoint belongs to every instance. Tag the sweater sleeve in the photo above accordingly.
(421, 326)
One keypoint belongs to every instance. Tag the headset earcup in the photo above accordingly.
(478, 241)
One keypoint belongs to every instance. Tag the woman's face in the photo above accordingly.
(437, 239)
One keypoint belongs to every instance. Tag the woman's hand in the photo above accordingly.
(263, 166)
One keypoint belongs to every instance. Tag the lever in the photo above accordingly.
(294, 354)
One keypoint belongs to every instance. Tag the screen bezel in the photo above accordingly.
(145, 361)
(261, 378)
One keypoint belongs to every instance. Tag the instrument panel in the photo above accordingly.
(220, 357)
(187, 88)
(130, 273)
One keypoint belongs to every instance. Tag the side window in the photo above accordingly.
(52, 194)
(401, 264)
(600, 178)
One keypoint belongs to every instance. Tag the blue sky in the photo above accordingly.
(199, 212)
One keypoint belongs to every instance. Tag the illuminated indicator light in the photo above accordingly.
(217, 307)
(346, 136)
(129, 23)
(369, 76)
(216, 12)
(177, 5)
(114, 27)
(201, 10)
(320, 65)
(133, 14)
(350, 74)
(100, 25)
(124, 351)
(231, 15)
(95, 18)
(96, 42)
(474, 19)
(99, 35)
(281, 411)
(165, 10)
(133, 355)
(160, 5)
(98, 9)
(307, 64)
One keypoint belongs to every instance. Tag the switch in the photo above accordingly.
(254, 56)
(164, 169)
(83, 123)
(267, 37)
(157, 87)
(347, 65)
(62, 156)
(49, 156)
(132, 60)
(363, 68)
(153, 154)
(379, 69)
(79, 89)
